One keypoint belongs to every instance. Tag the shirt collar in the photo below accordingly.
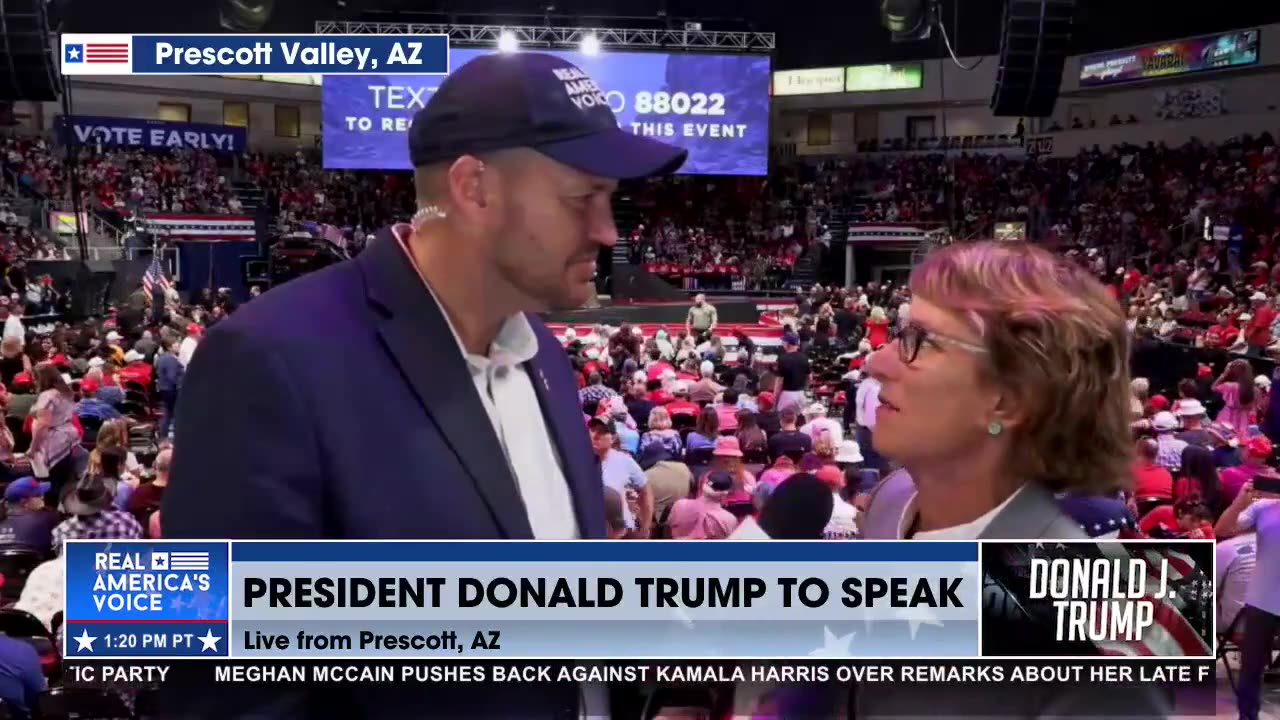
(515, 343)
(971, 530)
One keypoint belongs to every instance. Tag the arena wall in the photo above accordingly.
(142, 96)
(1247, 95)
(811, 125)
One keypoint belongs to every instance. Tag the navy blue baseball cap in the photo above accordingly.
(539, 101)
(23, 488)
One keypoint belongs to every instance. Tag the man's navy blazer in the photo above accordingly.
(339, 406)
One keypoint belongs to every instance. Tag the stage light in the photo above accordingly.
(507, 42)
(907, 20)
(591, 45)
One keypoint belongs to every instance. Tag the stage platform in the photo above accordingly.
(757, 319)
(731, 312)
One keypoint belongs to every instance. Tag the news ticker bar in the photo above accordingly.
(523, 600)
(1185, 686)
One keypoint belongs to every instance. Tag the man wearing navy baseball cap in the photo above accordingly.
(464, 423)
(25, 521)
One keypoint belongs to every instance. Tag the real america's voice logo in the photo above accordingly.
(146, 598)
(129, 581)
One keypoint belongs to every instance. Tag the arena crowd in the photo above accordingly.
(704, 432)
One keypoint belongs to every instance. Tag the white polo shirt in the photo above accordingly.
(507, 393)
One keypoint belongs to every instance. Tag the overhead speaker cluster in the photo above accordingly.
(28, 67)
(1034, 43)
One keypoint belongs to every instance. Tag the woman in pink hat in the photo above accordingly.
(727, 457)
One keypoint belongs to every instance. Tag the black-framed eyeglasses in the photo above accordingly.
(912, 337)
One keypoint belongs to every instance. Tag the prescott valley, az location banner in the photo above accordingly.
(481, 601)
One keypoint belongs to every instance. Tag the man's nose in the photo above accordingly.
(603, 230)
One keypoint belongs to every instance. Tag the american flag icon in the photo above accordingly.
(97, 53)
(106, 52)
(188, 561)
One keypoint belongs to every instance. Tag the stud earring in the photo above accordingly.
(994, 428)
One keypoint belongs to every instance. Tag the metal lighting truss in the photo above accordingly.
(545, 36)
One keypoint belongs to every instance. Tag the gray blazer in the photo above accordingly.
(1033, 514)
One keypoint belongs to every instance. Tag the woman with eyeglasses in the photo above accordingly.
(1009, 384)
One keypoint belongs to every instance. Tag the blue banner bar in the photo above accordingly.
(147, 639)
(666, 551)
(290, 54)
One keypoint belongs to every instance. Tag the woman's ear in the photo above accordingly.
(1007, 411)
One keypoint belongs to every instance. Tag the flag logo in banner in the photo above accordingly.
(201, 227)
(182, 561)
(155, 277)
(106, 53)
(96, 54)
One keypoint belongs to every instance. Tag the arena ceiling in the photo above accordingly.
(808, 34)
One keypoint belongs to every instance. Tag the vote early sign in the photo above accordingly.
(149, 134)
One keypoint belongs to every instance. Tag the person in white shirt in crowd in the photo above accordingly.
(866, 400)
(1260, 512)
(187, 348)
(1236, 558)
(819, 424)
(843, 522)
(664, 344)
(42, 594)
(619, 471)
(1169, 455)
(13, 326)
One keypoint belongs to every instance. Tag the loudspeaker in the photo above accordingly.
(28, 68)
(1033, 47)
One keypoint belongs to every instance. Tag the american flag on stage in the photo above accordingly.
(155, 277)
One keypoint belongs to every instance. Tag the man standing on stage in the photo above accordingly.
(702, 319)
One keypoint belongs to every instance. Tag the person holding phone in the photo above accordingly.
(1257, 508)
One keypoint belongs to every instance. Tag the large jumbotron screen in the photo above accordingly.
(716, 106)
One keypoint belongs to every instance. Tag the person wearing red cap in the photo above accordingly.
(1257, 451)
